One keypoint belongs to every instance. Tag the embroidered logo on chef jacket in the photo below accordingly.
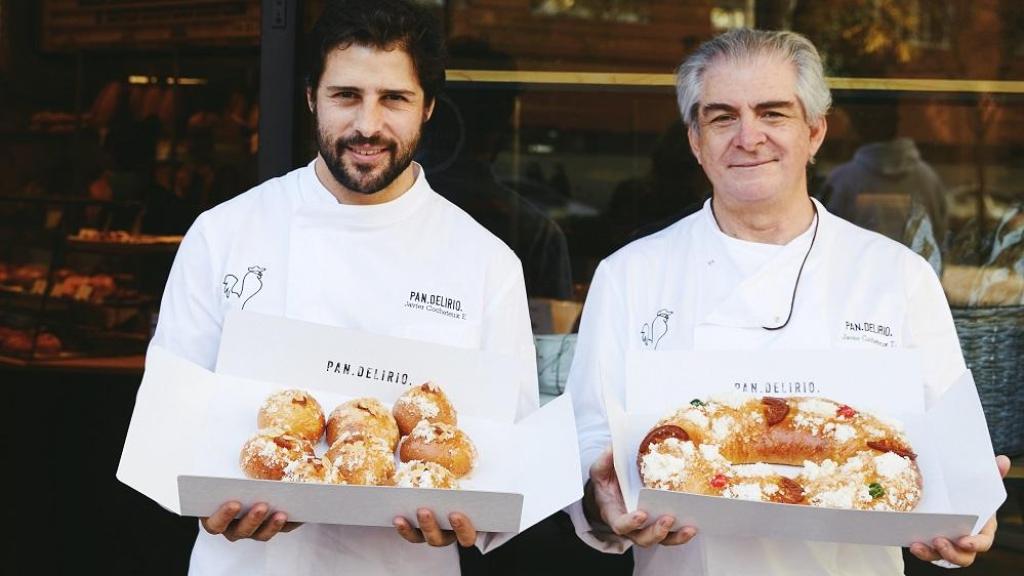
(652, 332)
(244, 289)
(441, 304)
(868, 332)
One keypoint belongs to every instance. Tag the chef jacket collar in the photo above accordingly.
(762, 298)
(314, 195)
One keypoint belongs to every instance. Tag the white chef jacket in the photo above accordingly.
(858, 290)
(288, 248)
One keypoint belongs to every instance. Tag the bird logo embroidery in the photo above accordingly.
(653, 331)
(249, 286)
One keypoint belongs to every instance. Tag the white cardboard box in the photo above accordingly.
(962, 487)
(189, 425)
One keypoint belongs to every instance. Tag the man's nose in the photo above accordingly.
(750, 133)
(369, 118)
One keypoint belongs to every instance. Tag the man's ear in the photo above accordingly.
(818, 135)
(428, 110)
(694, 138)
(310, 99)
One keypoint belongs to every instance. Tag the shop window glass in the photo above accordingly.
(119, 123)
(582, 124)
(131, 102)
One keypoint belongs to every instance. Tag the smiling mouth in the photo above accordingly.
(367, 153)
(751, 164)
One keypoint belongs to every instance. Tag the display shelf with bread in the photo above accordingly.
(21, 344)
(29, 343)
(121, 242)
(73, 318)
(64, 300)
(67, 288)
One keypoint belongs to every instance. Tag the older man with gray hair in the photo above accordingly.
(762, 266)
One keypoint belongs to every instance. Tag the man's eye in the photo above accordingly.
(721, 118)
(346, 95)
(773, 114)
(396, 98)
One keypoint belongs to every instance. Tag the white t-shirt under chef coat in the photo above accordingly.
(719, 291)
(288, 248)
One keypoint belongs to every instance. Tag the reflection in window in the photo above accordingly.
(607, 10)
(861, 37)
(934, 19)
(729, 14)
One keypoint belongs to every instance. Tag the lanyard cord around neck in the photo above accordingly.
(800, 272)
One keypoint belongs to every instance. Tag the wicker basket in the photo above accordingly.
(992, 340)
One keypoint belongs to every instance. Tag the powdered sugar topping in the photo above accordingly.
(817, 406)
(428, 432)
(663, 468)
(721, 427)
(747, 491)
(425, 406)
(891, 465)
(733, 400)
(696, 417)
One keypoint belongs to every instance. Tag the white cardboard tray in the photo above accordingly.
(962, 485)
(189, 425)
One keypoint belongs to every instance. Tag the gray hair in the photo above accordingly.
(744, 43)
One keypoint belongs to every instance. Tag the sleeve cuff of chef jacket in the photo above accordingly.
(597, 537)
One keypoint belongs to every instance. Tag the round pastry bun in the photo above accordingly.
(18, 342)
(441, 443)
(294, 411)
(47, 343)
(362, 459)
(312, 469)
(27, 274)
(363, 416)
(420, 474)
(424, 402)
(266, 455)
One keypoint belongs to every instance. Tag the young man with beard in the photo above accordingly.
(353, 239)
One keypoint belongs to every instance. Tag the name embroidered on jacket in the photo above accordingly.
(436, 303)
(869, 332)
(868, 327)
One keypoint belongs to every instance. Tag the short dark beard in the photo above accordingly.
(351, 179)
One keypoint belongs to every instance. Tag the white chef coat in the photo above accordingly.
(288, 248)
(858, 290)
